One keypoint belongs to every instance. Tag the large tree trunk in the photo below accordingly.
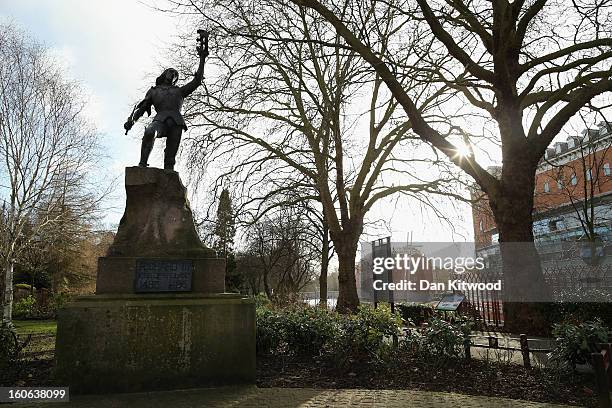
(324, 267)
(348, 299)
(524, 284)
(7, 298)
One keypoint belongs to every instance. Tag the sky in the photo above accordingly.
(115, 48)
(110, 48)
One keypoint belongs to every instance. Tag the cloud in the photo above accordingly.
(111, 47)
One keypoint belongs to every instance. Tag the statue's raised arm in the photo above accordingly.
(202, 49)
(167, 99)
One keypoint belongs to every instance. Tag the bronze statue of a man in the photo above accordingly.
(167, 98)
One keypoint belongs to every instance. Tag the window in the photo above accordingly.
(546, 187)
(539, 227)
(574, 180)
(560, 184)
(556, 225)
(588, 175)
(606, 168)
(481, 226)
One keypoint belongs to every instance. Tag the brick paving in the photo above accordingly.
(253, 397)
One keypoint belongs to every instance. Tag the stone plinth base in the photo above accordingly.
(117, 274)
(157, 221)
(129, 343)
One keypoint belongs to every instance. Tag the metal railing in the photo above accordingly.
(313, 298)
(568, 283)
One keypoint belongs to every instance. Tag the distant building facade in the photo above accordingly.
(573, 188)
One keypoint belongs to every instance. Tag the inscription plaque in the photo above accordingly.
(154, 275)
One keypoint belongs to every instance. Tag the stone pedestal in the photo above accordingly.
(157, 221)
(159, 319)
(130, 343)
(118, 274)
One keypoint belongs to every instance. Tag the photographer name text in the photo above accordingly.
(425, 285)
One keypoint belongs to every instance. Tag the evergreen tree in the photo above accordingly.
(224, 232)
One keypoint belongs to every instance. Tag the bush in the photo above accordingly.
(313, 331)
(29, 308)
(438, 340)
(296, 330)
(261, 300)
(309, 329)
(444, 339)
(10, 354)
(415, 313)
(58, 300)
(25, 308)
(270, 330)
(574, 342)
(8, 347)
(366, 335)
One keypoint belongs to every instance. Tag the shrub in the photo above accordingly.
(296, 330)
(574, 342)
(309, 329)
(8, 347)
(10, 354)
(366, 335)
(444, 339)
(58, 300)
(312, 331)
(29, 308)
(438, 340)
(270, 331)
(261, 300)
(25, 308)
(415, 313)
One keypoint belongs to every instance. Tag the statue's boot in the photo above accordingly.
(145, 150)
(173, 141)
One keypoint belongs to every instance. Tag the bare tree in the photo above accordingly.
(47, 149)
(525, 67)
(290, 101)
(260, 192)
(326, 249)
(282, 249)
(313, 229)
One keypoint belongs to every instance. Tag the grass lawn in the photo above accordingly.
(35, 326)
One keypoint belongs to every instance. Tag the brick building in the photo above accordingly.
(573, 190)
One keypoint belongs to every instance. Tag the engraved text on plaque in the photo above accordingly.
(154, 275)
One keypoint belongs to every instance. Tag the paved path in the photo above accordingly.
(252, 397)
